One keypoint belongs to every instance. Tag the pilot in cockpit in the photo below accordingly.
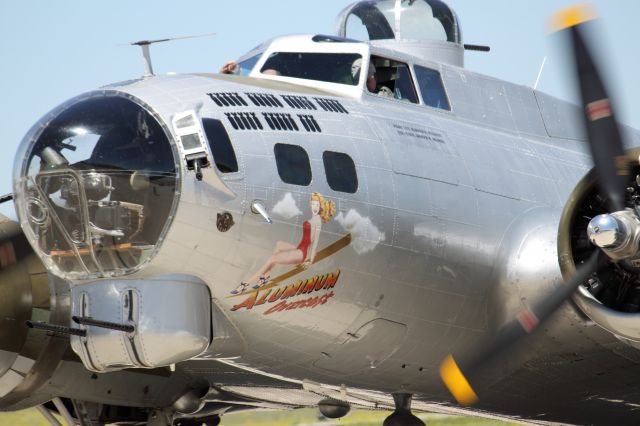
(372, 81)
(374, 87)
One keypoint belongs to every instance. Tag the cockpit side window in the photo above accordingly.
(431, 88)
(245, 67)
(391, 79)
(328, 67)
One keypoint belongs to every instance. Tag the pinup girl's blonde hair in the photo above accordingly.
(327, 207)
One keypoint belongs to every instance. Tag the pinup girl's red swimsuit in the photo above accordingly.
(306, 239)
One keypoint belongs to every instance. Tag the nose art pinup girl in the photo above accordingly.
(304, 253)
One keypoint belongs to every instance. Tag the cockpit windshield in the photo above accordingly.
(341, 68)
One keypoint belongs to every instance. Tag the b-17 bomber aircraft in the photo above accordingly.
(339, 221)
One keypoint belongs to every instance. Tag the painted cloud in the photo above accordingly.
(286, 207)
(365, 235)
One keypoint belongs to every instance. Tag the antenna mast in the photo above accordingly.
(535, 86)
(146, 51)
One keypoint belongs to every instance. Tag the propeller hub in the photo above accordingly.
(605, 231)
(617, 234)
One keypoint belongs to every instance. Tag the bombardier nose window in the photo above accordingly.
(97, 188)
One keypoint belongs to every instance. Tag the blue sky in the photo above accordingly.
(51, 51)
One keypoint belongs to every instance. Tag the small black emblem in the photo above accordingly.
(224, 222)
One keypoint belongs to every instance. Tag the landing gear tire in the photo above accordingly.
(402, 415)
(213, 421)
(207, 421)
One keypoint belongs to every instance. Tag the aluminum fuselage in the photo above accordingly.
(453, 226)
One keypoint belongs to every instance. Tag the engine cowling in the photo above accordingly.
(27, 357)
(611, 297)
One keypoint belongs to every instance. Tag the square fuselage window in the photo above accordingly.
(293, 164)
(340, 171)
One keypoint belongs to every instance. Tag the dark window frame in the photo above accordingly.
(290, 176)
(222, 164)
(444, 93)
(385, 74)
(336, 180)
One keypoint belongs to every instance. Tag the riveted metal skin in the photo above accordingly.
(452, 228)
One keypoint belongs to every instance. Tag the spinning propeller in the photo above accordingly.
(610, 232)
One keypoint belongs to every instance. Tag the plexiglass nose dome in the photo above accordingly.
(96, 184)
(426, 28)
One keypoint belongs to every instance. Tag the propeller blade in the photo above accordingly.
(603, 132)
(527, 320)
(612, 170)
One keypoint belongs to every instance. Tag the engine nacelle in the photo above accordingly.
(610, 298)
(26, 295)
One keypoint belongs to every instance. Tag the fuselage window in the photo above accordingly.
(340, 171)
(221, 149)
(431, 88)
(293, 164)
(329, 67)
(391, 79)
